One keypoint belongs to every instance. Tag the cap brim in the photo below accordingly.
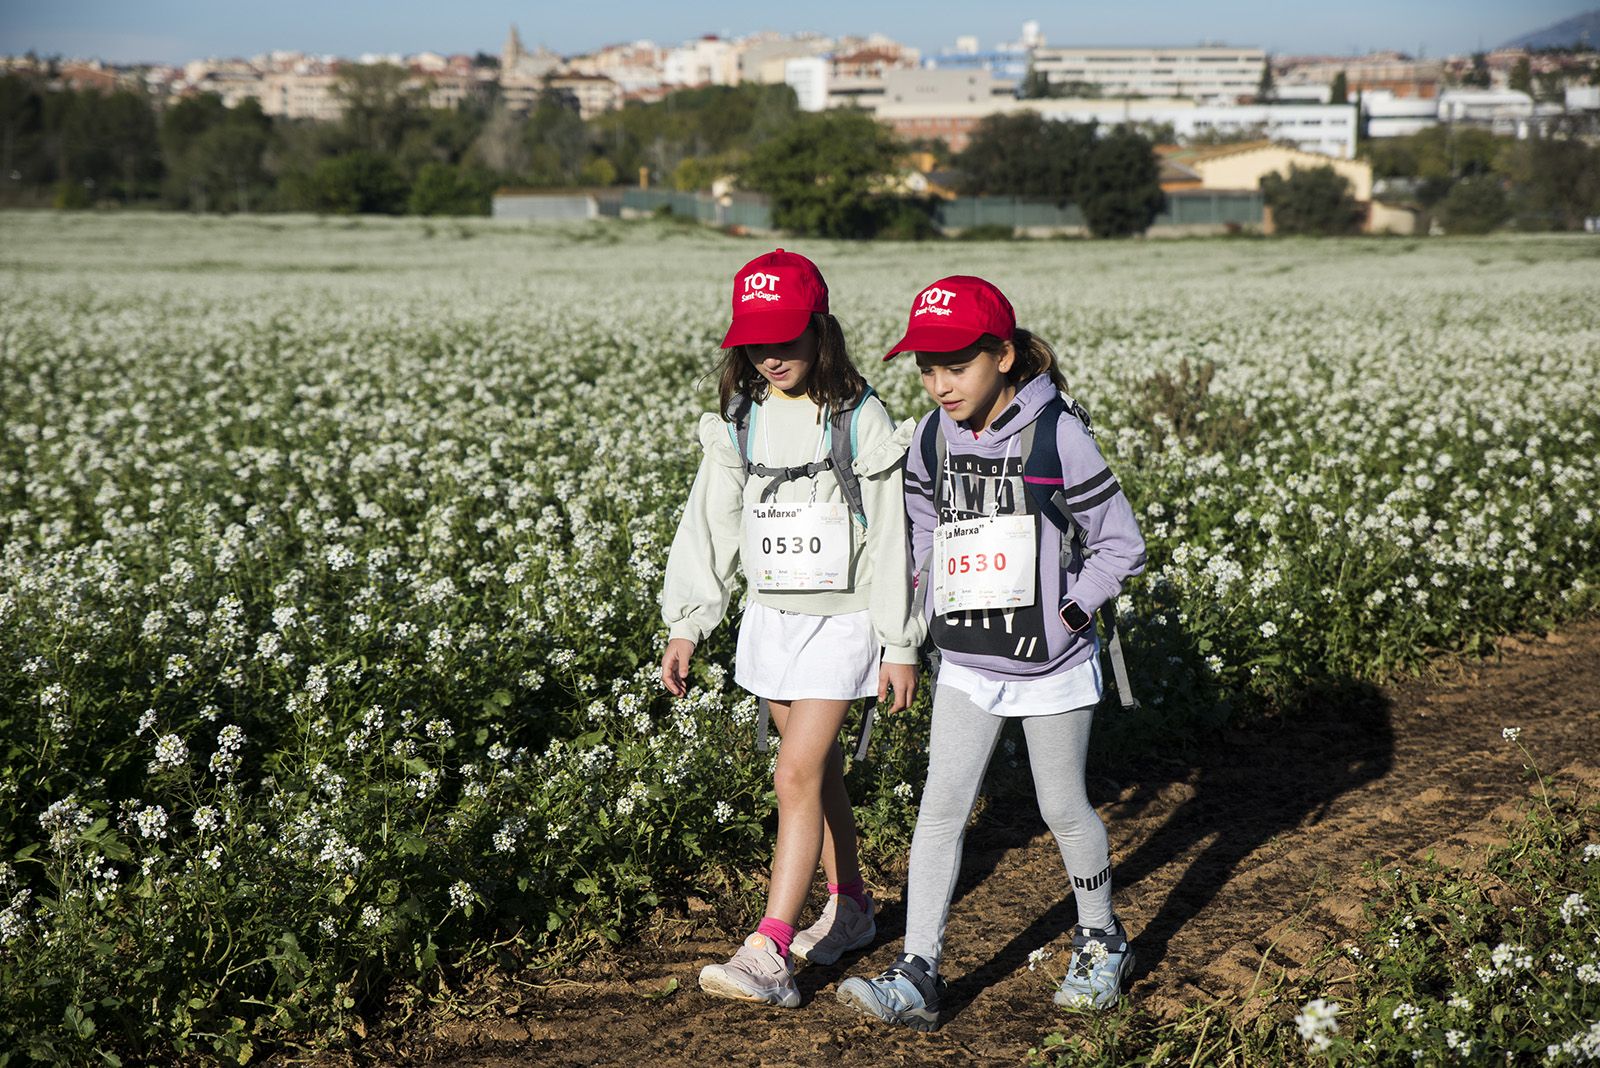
(767, 328)
(931, 338)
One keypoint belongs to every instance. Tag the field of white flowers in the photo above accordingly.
(329, 553)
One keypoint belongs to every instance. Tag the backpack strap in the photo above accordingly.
(842, 453)
(931, 443)
(1043, 481)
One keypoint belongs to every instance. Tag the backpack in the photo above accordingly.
(841, 435)
(1042, 481)
(841, 440)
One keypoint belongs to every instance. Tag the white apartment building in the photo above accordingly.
(1203, 72)
(808, 77)
(1326, 129)
(708, 61)
(301, 95)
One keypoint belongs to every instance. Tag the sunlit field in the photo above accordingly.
(329, 556)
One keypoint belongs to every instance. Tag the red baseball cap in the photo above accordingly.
(953, 313)
(774, 297)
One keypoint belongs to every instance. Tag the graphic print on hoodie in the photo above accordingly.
(986, 477)
(974, 487)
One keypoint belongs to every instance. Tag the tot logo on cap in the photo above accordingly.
(774, 298)
(954, 312)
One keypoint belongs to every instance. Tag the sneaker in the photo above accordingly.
(904, 994)
(1101, 962)
(757, 972)
(842, 927)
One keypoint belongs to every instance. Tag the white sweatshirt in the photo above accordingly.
(784, 432)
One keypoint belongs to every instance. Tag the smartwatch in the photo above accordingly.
(1076, 619)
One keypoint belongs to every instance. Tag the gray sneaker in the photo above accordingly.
(842, 927)
(757, 972)
(1101, 963)
(904, 994)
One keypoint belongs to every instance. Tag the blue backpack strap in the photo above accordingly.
(739, 419)
(842, 453)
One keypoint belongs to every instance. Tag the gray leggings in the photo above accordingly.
(963, 739)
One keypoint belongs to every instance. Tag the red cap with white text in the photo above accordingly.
(774, 298)
(953, 313)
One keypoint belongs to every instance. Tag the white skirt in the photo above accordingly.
(793, 656)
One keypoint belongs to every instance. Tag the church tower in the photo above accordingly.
(511, 55)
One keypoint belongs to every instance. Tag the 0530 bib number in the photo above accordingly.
(797, 546)
(986, 563)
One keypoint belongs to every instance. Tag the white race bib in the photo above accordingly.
(984, 563)
(796, 546)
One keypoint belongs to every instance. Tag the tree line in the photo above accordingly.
(835, 173)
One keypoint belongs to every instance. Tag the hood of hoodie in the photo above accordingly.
(1023, 409)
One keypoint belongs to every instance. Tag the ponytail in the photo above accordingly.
(1034, 357)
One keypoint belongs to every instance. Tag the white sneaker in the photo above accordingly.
(842, 927)
(757, 972)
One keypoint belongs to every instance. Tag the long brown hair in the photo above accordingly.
(1034, 356)
(833, 382)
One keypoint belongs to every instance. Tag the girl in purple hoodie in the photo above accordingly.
(1010, 598)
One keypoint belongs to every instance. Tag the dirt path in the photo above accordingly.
(1214, 857)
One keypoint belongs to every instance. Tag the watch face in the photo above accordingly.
(1074, 616)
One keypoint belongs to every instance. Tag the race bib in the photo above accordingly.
(984, 563)
(797, 546)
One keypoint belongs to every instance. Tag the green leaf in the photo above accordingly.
(668, 988)
(587, 886)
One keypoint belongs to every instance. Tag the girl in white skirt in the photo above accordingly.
(821, 533)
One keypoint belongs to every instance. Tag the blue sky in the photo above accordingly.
(175, 30)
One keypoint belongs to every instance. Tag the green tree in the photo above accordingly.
(1474, 206)
(1522, 76)
(23, 151)
(1026, 155)
(441, 189)
(1556, 182)
(1266, 88)
(825, 174)
(1311, 201)
(1118, 188)
(380, 107)
(1478, 76)
(1339, 91)
(354, 183)
(215, 156)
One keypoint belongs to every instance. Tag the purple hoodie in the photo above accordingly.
(1032, 642)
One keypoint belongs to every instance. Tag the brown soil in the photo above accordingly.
(1258, 841)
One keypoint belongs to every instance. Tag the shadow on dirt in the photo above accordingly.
(1234, 795)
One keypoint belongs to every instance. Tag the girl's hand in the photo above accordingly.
(903, 678)
(675, 666)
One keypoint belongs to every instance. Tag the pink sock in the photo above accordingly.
(780, 933)
(855, 890)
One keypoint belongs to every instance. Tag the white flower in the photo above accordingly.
(1510, 734)
(213, 858)
(206, 818)
(903, 791)
(723, 812)
(1038, 957)
(371, 915)
(1269, 629)
(152, 821)
(170, 752)
(1573, 908)
(461, 893)
(1317, 1021)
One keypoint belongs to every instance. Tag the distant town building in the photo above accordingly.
(593, 93)
(707, 61)
(1208, 73)
(1390, 72)
(635, 66)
